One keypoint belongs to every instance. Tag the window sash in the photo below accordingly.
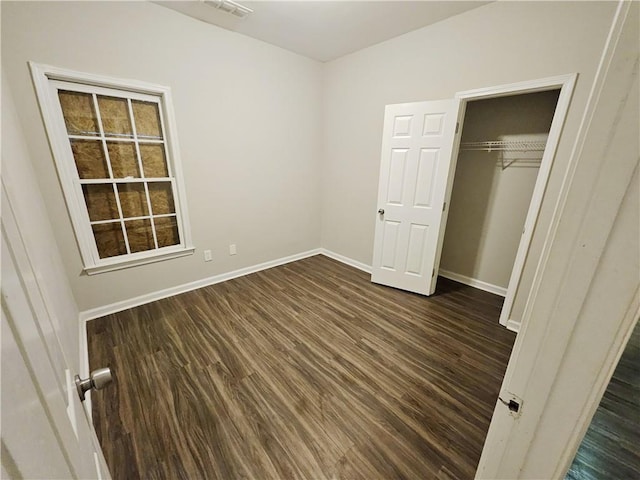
(48, 81)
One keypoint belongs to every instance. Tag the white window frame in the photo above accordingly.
(46, 80)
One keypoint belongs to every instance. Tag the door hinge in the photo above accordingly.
(457, 126)
(444, 206)
(433, 272)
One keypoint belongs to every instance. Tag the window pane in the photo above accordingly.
(109, 239)
(101, 202)
(133, 200)
(154, 162)
(147, 119)
(79, 114)
(114, 113)
(161, 198)
(140, 235)
(90, 159)
(166, 231)
(124, 162)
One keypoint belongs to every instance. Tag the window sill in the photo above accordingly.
(119, 265)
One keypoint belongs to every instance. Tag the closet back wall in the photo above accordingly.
(488, 204)
(248, 122)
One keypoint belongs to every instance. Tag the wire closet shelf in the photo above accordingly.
(505, 146)
(524, 153)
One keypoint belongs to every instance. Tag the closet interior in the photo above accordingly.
(501, 148)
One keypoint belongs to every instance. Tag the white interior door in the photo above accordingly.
(45, 430)
(414, 174)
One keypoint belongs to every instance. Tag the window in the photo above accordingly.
(117, 159)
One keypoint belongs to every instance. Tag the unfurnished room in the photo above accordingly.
(320, 240)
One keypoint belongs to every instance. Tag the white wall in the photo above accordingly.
(499, 43)
(489, 204)
(249, 127)
(281, 153)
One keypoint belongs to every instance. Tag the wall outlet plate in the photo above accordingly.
(207, 255)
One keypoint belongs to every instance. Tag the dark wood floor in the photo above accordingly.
(307, 370)
(611, 446)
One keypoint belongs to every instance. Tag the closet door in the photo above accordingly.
(414, 172)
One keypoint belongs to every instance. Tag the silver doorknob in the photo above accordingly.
(98, 379)
(381, 211)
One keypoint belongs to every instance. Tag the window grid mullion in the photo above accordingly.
(124, 228)
(102, 137)
(138, 155)
(146, 185)
(168, 159)
(166, 149)
(176, 206)
(143, 217)
(98, 181)
(113, 184)
(153, 223)
(127, 139)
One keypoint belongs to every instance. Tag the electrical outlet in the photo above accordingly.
(207, 255)
(232, 249)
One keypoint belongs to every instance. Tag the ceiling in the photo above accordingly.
(326, 30)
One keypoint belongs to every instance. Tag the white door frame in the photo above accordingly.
(566, 84)
(565, 354)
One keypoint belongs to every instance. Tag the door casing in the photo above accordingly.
(566, 84)
(565, 354)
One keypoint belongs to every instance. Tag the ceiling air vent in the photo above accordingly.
(229, 6)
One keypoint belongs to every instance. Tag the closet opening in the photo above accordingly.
(505, 139)
(496, 193)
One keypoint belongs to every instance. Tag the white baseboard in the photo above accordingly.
(187, 287)
(513, 325)
(472, 282)
(346, 260)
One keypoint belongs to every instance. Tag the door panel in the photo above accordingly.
(26, 431)
(427, 170)
(415, 252)
(48, 406)
(25, 298)
(51, 434)
(391, 230)
(414, 170)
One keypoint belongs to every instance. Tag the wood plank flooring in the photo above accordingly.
(611, 446)
(306, 371)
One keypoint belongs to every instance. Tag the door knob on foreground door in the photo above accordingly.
(98, 379)
(381, 211)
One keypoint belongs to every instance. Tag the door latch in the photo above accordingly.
(513, 403)
(98, 379)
